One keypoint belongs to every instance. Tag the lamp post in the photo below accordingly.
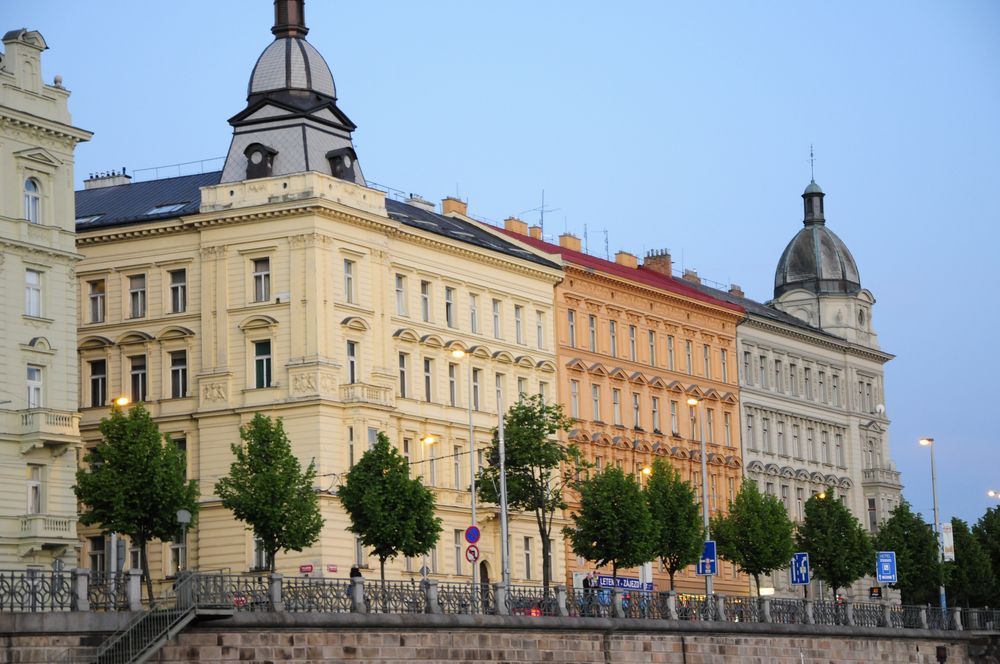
(458, 353)
(704, 481)
(993, 493)
(929, 442)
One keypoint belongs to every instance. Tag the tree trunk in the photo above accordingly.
(756, 580)
(381, 565)
(670, 572)
(545, 565)
(144, 568)
(272, 562)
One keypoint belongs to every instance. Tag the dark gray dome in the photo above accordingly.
(816, 259)
(291, 63)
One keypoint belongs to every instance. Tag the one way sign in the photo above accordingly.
(799, 570)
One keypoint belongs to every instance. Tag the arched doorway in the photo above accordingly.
(484, 587)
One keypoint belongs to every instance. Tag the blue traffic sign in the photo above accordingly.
(708, 564)
(472, 534)
(799, 571)
(885, 566)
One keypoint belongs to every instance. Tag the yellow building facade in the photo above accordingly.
(634, 345)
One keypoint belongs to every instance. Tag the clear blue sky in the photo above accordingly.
(680, 126)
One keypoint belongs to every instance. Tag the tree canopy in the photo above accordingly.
(756, 534)
(538, 466)
(987, 532)
(918, 566)
(267, 489)
(970, 576)
(840, 551)
(390, 512)
(135, 481)
(677, 532)
(613, 526)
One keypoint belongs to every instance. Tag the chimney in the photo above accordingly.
(626, 259)
(658, 260)
(736, 291)
(569, 241)
(416, 200)
(535, 232)
(452, 205)
(515, 225)
(106, 179)
(692, 276)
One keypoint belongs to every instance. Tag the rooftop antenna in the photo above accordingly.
(541, 210)
(812, 164)
(586, 243)
(607, 252)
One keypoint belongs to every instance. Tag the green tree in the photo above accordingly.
(534, 461)
(970, 576)
(390, 512)
(267, 489)
(840, 551)
(677, 533)
(918, 566)
(987, 532)
(756, 534)
(613, 525)
(135, 482)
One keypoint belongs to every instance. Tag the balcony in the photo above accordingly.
(42, 427)
(43, 531)
(880, 476)
(360, 393)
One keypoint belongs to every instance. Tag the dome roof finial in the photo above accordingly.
(289, 19)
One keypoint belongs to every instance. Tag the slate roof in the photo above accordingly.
(128, 204)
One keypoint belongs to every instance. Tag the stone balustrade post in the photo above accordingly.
(185, 591)
(887, 615)
(765, 609)
(618, 611)
(849, 611)
(358, 595)
(923, 617)
(810, 615)
(134, 590)
(276, 596)
(956, 618)
(81, 588)
(672, 606)
(561, 598)
(500, 599)
(431, 597)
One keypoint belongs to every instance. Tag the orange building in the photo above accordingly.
(634, 344)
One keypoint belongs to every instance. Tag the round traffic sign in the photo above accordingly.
(472, 553)
(472, 534)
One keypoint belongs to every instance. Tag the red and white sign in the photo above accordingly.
(472, 553)
(332, 569)
(305, 569)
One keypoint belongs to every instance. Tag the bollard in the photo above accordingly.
(81, 588)
(810, 615)
(956, 618)
(672, 606)
(135, 590)
(358, 595)
(616, 603)
(849, 612)
(431, 597)
(765, 609)
(923, 617)
(561, 598)
(277, 602)
(500, 599)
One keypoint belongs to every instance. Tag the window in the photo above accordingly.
(98, 382)
(34, 487)
(574, 398)
(613, 334)
(499, 386)
(777, 376)
(631, 343)
(359, 553)
(350, 288)
(262, 363)
(687, 355)
(674, 427)
(32, 293)
(527, 557)
(571, 319)
(352, 362)
(449, 306)
(727, 426)
(800, 504)
(137, 375)
(178, 554)
(724, 363)
(796, 442)
(616, 406)
(838, 443)
(811, 444)
(821, 385)
(406, 449)
(656, 414)
(400, 295)
(707, 351)
(456, 463)
(636, 422)
(474, 313)
(178, 291)
(763, 371)
(824, 444)
(32, 201)
(785, 497)
(543, 390)
(425, 301)
(540, 328)
(793, 379)
(496, 318)
(137, 295)
(872, 515)
(693, 416)
(261, 561)
(747, 371)
(372, 436)
(459, 535)
(404, 361)
(97, 554)
(670, 353)
(592, 330)
(595, 402)
(749, 437)
(261, 279)
(350, 447)
(96, 300)
(178, 374)
(781, 439)
(519, 323)
(652, 348)
(710, 424)
(431, 464)
(452, 383)
(835, 387)
(428, 379)
(522, 386)
(807, 383)
(476, 375)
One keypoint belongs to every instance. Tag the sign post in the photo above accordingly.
(885, 567)
(799, 570)
(708, 564)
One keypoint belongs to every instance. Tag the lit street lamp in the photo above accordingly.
(993, 493)
(704, 481)
(929, 442)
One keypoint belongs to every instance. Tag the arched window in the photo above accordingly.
(32, 200)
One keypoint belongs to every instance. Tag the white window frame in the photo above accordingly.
(540, 329)
(574, 399)
(519, 323)
(33, 293)
(34, 489)
(32, 201)
(425, 301)
(449, 307)
(98, 381)
(263, 361)
(34, 379)
(401, 295)
(497, 319)
(138, 377)
(178, 291)
(350, 281)
(178, 374)
(96, 297)
(474, 313)
(261, 278)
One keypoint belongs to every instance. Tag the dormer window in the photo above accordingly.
(260, 160)
(342, 163)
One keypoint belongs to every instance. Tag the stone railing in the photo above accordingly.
(48, 421)
(47, 526)
(369, 394)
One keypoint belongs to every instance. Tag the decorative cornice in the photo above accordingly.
(842, 346)
(56, 130)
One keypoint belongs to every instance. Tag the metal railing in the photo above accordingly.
(36, 590)
(743, 609)
(148, 629)
(316, 595)
(868, 614)
(531, 601)
(829, 613)
(464, 598)
(644, 604)
(696, 607)
(788, 611)
(108, 591)
(589, 603)
(394, 597)
(240, 592)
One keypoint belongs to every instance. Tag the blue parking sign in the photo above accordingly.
(708, 564)
(885, 567)
(799, 571)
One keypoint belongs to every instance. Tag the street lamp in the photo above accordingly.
(929, 442)
(458, 354)
(122, 401)
(993, 493)
(704, 481)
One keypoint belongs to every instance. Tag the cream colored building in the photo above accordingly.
(39, 434)
(285, 285)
